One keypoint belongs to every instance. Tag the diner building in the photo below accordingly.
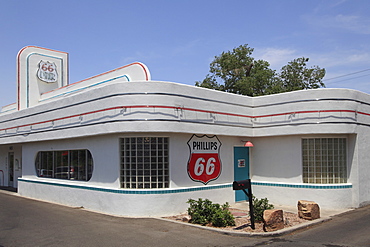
(123, 144)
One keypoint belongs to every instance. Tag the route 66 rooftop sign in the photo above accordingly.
(47, 72)
(204, 163)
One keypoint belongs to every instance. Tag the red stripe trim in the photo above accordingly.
(9, 105)
(298, 112)
(136, 63)
(144, 68)
(182, 108)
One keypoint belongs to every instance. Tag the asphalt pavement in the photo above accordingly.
(27, 222)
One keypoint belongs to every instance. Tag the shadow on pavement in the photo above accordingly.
(10, 189)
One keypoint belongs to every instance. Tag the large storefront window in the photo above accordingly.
(67, 164)
(324, 160)
(144, 162)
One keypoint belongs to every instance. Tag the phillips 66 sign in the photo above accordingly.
(204, 163)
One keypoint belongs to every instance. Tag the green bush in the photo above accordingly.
(205, 212)
(260, 205)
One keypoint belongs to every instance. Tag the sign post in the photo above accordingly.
(246, 185)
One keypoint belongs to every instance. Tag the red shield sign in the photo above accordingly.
(204, 163)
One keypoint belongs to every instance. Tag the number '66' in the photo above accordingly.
(199, 166)
(49, 68)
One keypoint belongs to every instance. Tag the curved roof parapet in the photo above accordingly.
(8, 108)
(129, 73)
(42, 74)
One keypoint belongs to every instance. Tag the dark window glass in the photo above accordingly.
(65, 164)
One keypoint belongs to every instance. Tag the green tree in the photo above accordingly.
(296, 76)
(238, 72)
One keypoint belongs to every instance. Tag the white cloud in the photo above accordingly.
(336, 62)
(275, 56)
(185, 49)
(347, 58)
(353, 23)
(328, 5)
(358, 58)
(140, 56)
(348, 67)
(335, 4)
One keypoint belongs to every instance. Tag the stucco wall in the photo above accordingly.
(277, 159)
(124, 204)
(363, 173)
(104, 150)
(326, 198)
(95, 119)
(103, 193)
(276, 170)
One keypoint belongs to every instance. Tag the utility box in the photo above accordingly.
(242, 184)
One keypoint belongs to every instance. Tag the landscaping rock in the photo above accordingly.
(186, 218)
(273, 220)
(308, 210)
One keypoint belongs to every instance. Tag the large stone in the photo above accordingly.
(308, 210)
(186, 218)
(273, 220)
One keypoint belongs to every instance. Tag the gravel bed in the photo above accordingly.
(242, 221)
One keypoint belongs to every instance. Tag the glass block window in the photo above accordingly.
(144, 162)
(66, 164)
(324, 160)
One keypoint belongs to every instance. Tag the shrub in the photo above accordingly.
(205, 212)
(260, 205)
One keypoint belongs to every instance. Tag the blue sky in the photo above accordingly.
(177, 40)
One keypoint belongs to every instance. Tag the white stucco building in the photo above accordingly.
(123, 144)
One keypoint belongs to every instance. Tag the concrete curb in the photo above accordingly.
(256, 234)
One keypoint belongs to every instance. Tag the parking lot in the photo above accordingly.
(26, 222)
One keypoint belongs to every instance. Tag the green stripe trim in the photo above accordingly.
(133, 191)
(305, 186)
(183, 190)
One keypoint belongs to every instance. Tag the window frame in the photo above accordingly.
(324, 160)
(46, 165)
(144, 162)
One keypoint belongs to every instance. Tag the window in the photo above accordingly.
(144, 162)
(324, 160)
(67, 164)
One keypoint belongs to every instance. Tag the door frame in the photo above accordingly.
(241, 156)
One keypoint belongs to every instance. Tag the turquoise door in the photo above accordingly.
(241, 169)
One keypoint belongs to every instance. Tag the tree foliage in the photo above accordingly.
(238, 72)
